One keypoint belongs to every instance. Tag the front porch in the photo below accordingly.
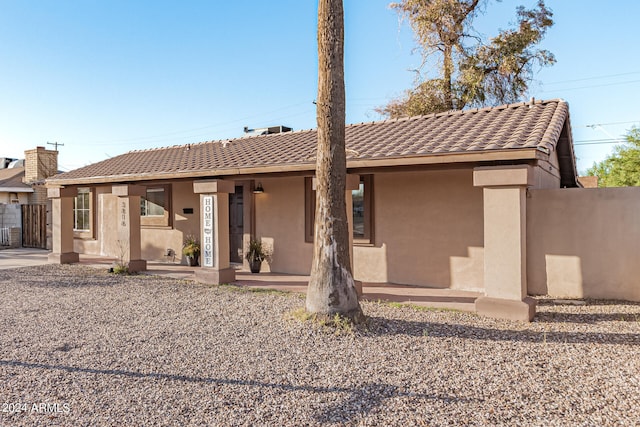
(450, 299)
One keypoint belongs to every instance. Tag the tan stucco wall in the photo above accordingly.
(154, 241)
(428, 231)
(584, 243)
(279, 221)
(104, 228)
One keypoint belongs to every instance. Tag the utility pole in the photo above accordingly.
(55, 144)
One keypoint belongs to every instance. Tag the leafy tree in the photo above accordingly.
(472, 72)
(331, 287)
(622, 168)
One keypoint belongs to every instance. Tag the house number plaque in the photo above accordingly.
(207, 231)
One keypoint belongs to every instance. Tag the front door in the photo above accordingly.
(236, 227)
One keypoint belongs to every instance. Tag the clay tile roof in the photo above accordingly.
(529, 126)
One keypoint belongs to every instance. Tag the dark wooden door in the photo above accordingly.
(236, 225)
(34, 226)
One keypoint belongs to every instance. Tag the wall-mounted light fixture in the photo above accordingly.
(258, 189)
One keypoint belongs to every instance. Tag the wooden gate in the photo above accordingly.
(34, 226)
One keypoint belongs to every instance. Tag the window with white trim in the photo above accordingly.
(82, 210)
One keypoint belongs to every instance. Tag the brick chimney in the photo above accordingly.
(39, 164)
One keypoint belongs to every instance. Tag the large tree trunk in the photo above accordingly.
(448, 76)
(331, 288)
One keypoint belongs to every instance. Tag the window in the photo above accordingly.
(309, 209)
(153, 203)
(362, 200)
(363, 211)
(82, 210)
(154, 206)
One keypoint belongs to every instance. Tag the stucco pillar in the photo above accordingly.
(62, 225)
(505, 245)
(129, 242)
(214, 232)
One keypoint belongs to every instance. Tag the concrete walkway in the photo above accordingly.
(403, 294)
(22, 257)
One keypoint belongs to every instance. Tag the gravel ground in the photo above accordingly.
(82, 347)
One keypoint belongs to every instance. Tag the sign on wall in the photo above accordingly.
(207, 231)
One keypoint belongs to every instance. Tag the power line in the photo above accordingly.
(201, 136)
(188, 134)
(593, 78)
(599, 141)
(610, 124)
(169, 135)
(592, 86)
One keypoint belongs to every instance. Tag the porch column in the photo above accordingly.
(129, 244)
(62, 225)
(505, 245)
(214, 233)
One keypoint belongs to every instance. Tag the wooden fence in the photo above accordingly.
(34, 226)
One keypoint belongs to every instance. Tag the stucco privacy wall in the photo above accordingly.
(428, 231)
(584, 243)
(279, 221)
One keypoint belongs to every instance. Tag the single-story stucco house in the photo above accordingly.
(437, 200)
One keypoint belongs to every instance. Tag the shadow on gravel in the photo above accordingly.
(555, 317)
(360, 400)
(65, 276)
(365, 399)
(382, 327)
(44, 281)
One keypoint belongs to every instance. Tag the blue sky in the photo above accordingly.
(105, 77)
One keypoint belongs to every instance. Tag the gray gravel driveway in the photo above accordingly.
(82, 347)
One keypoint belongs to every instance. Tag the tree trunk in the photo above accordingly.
(448, 76)
(331, 287)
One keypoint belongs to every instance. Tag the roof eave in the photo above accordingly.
(445, 158)
(431, 159)
(179, 175)
(16, 190)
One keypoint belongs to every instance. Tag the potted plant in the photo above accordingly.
(191, 249)
(257, 253)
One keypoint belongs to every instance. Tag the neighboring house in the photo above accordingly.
(13, 193)
(438, 200)
(22, 181)
(22, 184)
(13, 190)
